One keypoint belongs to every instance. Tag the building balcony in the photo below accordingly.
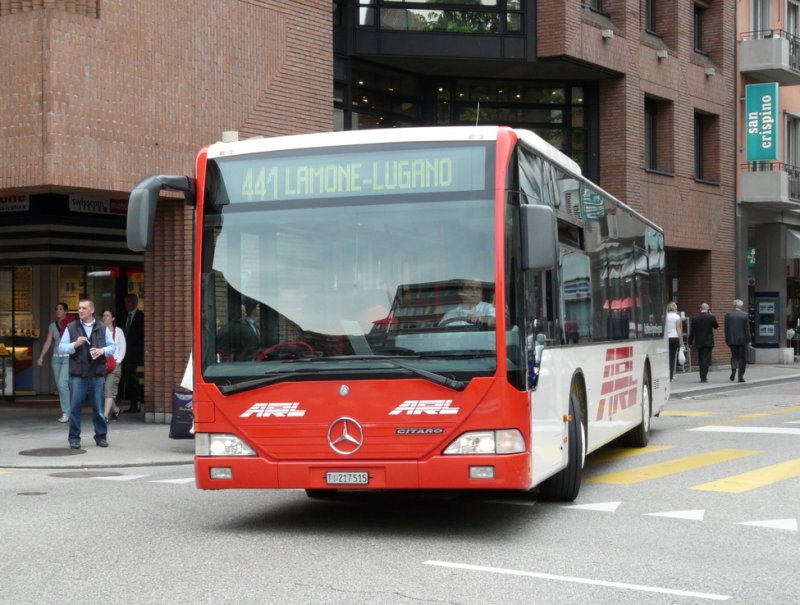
(771, 185)
(770, 55)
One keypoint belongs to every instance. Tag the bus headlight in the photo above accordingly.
(220, 444)
(505, 441)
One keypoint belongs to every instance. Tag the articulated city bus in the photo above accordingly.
(421, 308)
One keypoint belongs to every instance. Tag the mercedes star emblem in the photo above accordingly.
(345, 436)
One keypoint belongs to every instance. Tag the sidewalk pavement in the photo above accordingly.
(30, 437)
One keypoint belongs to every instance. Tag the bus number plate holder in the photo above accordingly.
(347, 478)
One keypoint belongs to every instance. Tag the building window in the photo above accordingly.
(761, 18)
(706, 147)
(650, 134)
(793, 155)
(594, 5)
(699, 11)
(451, 16)
(650, 16)
(657, 136)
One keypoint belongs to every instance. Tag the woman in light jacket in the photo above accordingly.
(112, 378)
(675, 335)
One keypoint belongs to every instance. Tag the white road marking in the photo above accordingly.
(764, 430)
(589, 581)
(790, 524)
(603, 507)
(175, 481)
(691, 515)
(121, 477)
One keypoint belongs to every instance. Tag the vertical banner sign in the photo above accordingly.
(761, 121)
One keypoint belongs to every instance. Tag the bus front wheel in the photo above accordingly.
(565, 485)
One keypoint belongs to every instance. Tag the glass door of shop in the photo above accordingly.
(19, 330)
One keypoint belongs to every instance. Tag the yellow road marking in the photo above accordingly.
(607, 455)
(691, 414)
(671, 467)
(736, 484)
(760, 414)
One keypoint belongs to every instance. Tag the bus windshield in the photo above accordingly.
(310, 277)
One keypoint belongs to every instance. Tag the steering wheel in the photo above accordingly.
(472, 325)
(291, 349)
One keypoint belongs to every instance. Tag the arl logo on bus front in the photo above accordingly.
(619, 388)
(280, 410)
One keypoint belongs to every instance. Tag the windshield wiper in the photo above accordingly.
(452, 383)
(238, 387)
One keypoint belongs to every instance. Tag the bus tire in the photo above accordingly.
(566, 483)
(640, 436)
(322, 494)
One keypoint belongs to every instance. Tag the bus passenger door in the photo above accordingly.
(546, 400)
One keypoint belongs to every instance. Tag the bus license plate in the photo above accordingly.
(347, 478)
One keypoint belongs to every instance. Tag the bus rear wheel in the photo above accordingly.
(640, 436)
(565, 485)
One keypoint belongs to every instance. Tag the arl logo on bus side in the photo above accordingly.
(280, 410)
(417, 407)
(619, 388)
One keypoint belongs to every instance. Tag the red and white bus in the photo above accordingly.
(421, 308)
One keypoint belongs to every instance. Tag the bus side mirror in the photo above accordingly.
(538, 236)
(142, 207)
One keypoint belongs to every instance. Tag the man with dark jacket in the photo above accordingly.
(737, 337)
(87, 342)
(134, 354)
(701, 335)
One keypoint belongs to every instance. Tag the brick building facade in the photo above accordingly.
(97, 95)
(101, 94)
(697, 212)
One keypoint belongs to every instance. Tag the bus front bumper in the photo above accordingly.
(508, 471)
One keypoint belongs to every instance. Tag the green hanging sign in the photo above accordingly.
(761, 121)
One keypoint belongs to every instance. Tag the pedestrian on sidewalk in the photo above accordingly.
(701, 334)
(87, 342)
(674, 334)
(112, 377)
(59, 362)
(737, 337)
(134, 357)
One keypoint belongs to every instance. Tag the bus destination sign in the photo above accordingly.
(269, 177)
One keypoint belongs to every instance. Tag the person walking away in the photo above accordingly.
(674, 334)
(737, 337)
(112, 378)
(134, 355)
(59, 362)
(87, 342)
(701, 335)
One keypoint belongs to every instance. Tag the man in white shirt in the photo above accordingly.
(471, 310)
(87, 342)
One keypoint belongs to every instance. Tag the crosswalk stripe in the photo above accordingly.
(689, 515)
(680, 414)
(764, 430)
(121, 477)
(175, 481)
(670, 467)
(609, 455)
(760, 477)
(788, 524)
(763, 414)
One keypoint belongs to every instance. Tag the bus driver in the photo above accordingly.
(471, 310)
